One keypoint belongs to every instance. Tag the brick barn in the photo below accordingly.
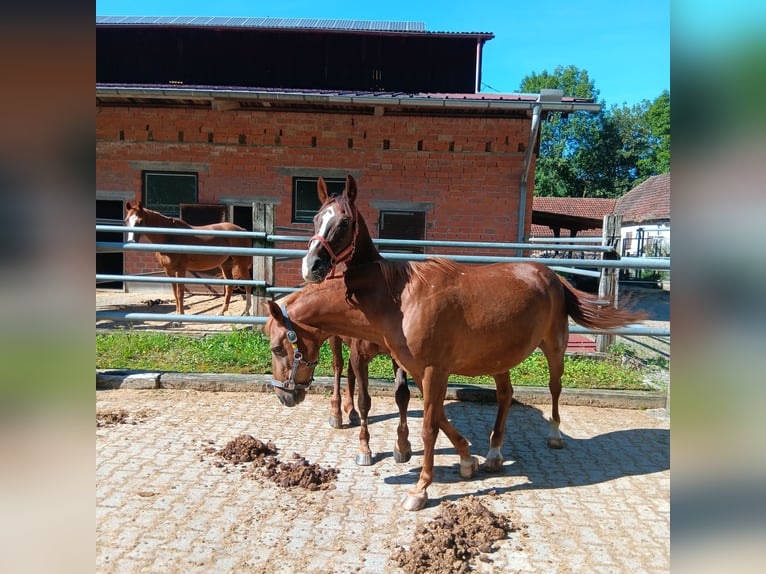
(226, 113)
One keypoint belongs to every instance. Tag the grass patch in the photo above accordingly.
(247, 351)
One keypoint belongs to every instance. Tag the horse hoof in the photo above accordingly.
(556, 443)
(335, 422)
(468, 467)
(363, 459)
(493, 464)
(415, 501)
(353, 419)
(402, 456)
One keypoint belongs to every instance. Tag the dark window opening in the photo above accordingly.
(305, 200)
(402, 225)
(165, 191)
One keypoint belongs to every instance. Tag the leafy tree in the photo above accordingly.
(598, 155)
(658, 120)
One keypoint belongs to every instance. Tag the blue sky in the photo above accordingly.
(624, 45)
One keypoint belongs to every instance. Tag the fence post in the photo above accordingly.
(608, 285)
(263, 266)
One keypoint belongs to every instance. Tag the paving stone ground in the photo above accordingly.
(602, 504)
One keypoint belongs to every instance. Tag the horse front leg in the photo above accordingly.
(504, 391)
(359, 367)
(402, 448)
(336, 346)
(434, 387)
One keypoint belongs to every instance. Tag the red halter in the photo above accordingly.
(341, 257)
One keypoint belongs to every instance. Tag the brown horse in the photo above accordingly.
(361, 353)
(436, 317)
(176, 264)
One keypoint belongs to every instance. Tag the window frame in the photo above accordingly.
(146, 191)
(303, 186)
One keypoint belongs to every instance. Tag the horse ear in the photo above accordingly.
(275, 312)
(140, 205)
(351, 188)
(128, 205)
(321, 190)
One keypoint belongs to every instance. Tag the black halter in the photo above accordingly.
(290, 384)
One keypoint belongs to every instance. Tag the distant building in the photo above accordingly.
(645, 214)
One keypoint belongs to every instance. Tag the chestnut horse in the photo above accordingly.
(176, 264)
(436, 317)
(361, 353)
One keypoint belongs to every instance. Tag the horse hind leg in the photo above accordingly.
(554, 354)
(504, 391)
(227, 290)
(402, 447)
(242, 271)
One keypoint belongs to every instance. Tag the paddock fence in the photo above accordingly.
(599, 258)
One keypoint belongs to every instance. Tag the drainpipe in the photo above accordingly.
(533, 132)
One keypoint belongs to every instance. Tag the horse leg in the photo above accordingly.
(241, 270)
(494, 460)
(434, 386)
(359, 367)
(227, 290)
(348, 396)
(336, 346)
(402, 448)
(178, 290)
(555, 357)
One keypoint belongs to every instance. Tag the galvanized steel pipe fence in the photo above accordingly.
(575, 266)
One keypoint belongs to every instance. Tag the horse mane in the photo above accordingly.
(396, 274)
(174, 221)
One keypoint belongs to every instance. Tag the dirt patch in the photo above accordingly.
(265, 464)
(114, 417)
(462, 531)
(245, 448)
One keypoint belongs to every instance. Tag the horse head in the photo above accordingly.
(294, 355)
(335, 231)
(135, 216)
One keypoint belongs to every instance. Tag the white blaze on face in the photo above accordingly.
(131, 223)
(326, 218)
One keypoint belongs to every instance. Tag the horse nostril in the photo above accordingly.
(317, 265)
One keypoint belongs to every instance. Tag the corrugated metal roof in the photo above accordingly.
(278, 23)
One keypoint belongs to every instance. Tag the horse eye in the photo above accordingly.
(343, 224)
(278, 351)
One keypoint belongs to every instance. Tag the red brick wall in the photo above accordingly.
(469, 168)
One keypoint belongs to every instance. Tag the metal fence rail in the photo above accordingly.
(557, 264)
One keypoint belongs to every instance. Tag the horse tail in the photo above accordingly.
(593, 312)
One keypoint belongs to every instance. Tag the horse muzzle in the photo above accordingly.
(314, 268)
(290, 398)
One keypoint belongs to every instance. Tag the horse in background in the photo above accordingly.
(176, 264)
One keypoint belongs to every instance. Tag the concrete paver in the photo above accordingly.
(602, 504)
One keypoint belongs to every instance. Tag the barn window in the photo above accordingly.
(165, 191)
(402, 225)
(305, 200)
